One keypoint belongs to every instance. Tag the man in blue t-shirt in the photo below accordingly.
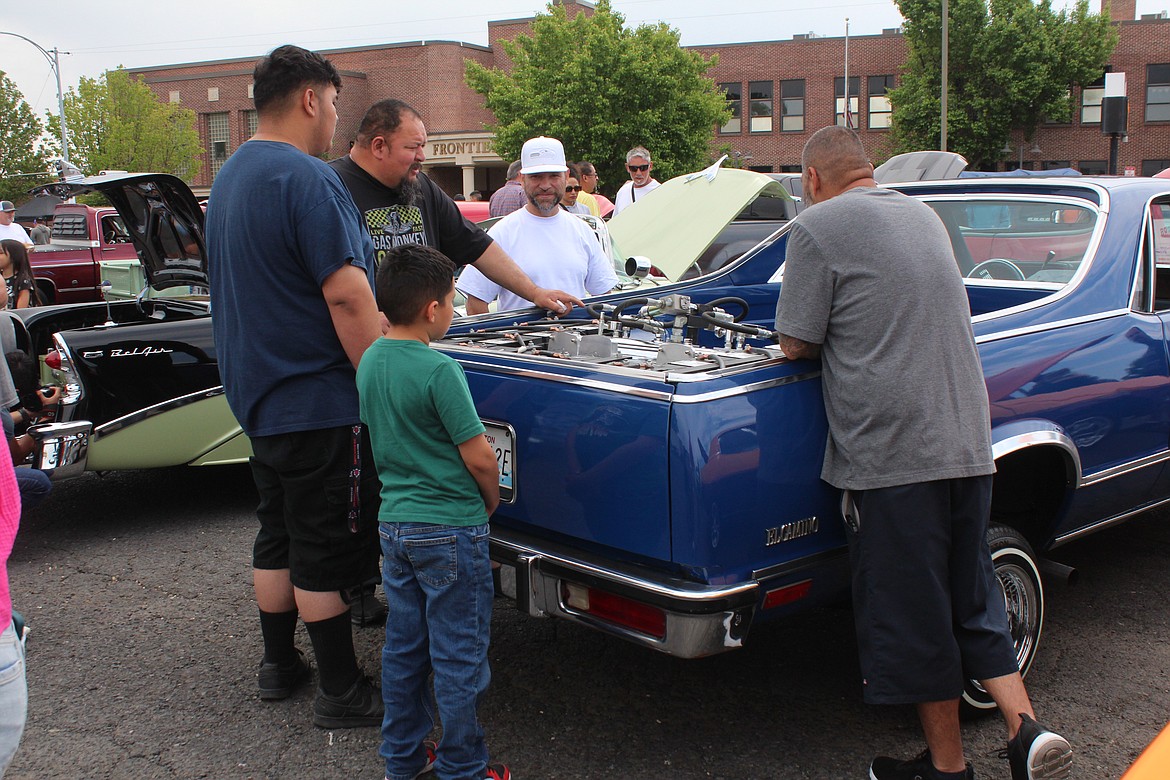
(292, 297)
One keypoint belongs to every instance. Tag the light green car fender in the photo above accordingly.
(198, 433)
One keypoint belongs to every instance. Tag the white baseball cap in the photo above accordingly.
(542, 155)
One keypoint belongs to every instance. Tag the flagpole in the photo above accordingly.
(845, 108)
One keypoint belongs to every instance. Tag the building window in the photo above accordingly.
(880, 111)
(839, 101)
(1150, 167)
(1093, 167)
(212, 94)
(1055, 165)
(760, 168)
(734, 95)
(1091, 95)
(250, 88)
(790, 169)
(217, 141)
(761, 97)
(792, 106)
(174, 96)
(1158, 93)
(251, 121)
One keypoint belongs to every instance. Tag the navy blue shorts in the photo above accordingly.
(304, 480)
(929, 612)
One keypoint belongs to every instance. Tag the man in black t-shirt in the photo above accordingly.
(400, 205)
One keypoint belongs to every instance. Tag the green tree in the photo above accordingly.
(1012, 66)
(23, 159)
(116, 123)
(601, 89)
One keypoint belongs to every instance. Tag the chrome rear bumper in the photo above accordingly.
(700, 620)
(61, 448)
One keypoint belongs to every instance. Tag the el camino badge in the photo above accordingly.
(136, 352)
(790, 531)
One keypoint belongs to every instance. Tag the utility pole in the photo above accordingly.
(54, 60)
(946, 46)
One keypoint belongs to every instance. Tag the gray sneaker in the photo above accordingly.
(1035, 753)
(360, 706)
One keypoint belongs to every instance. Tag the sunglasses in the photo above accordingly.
(639, 168)
(571, 188)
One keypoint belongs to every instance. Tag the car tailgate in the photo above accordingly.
(588, 457)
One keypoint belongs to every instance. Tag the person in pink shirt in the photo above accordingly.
(13, 689)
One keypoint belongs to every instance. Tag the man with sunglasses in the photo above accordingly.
(641, 183)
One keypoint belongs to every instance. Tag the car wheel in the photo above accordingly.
(1019, 579)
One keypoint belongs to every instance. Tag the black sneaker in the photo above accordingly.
(278, 682)
(918, 768)
(1035, 753)
(367, 611)
(498, 772)
(360, 706)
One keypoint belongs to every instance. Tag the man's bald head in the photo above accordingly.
(839, 160)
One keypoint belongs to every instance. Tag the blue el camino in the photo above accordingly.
(662, 457)
(659, 455)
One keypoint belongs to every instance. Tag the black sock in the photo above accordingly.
(333, 647)
(277, 629)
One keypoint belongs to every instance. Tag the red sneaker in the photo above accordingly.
(498, 772)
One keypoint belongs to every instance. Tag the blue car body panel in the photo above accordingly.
(675, 482)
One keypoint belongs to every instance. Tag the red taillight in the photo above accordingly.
(53, 360)
(787, 594)
(615, 609)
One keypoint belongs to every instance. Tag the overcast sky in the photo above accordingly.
(103, 35)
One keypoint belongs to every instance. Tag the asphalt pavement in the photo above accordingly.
(144, 647)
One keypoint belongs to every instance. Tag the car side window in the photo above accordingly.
(1039, 243)
(114, 231)
(1158, 251)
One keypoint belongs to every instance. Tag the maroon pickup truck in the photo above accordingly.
(68, 268)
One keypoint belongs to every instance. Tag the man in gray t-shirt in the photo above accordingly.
(904, 389)
(871, 287)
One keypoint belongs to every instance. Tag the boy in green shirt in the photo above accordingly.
(439, 486)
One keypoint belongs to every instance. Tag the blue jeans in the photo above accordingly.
(13, 695)
(34, 485)
(438, 584)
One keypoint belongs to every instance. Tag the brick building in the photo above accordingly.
(780, 92)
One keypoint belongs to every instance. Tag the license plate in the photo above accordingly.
(503, 441)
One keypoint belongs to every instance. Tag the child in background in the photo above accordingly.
(439, 486)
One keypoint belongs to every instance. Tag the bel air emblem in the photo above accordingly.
(116, 352)
(790, 531)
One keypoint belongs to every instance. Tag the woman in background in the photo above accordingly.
(17, 273)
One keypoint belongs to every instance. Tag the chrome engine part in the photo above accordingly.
(659, 336)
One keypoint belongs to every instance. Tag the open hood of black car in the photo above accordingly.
(163, 219)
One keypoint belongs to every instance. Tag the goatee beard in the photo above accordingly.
(556, 204)
(406, 192)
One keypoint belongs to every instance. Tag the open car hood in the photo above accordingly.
(674, 224)
(163, 218)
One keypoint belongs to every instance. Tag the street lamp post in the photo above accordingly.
(54, 64)
(1035, 150)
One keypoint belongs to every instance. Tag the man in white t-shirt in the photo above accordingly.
(551, 245)
(10, 229)
(641, 182)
